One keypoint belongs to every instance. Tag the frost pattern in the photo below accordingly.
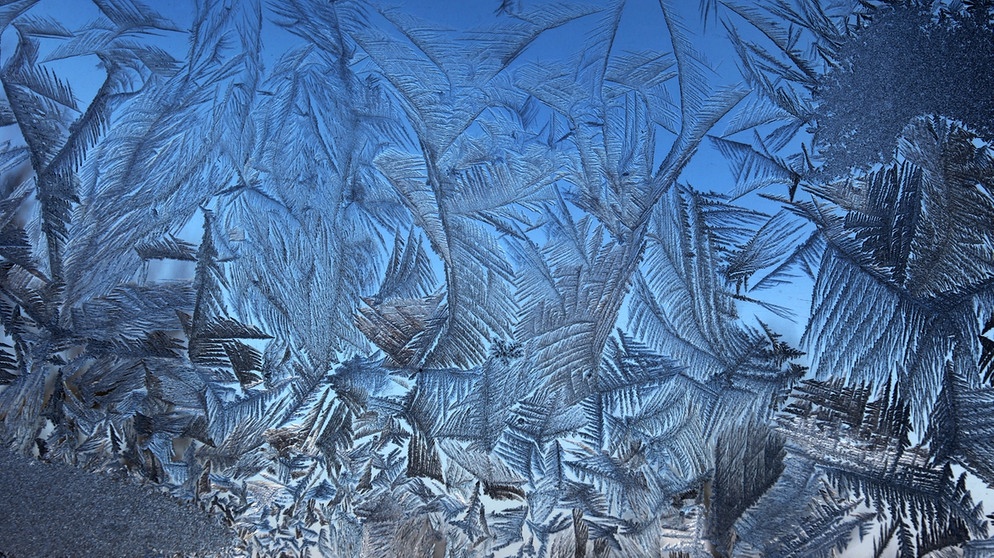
(434, 297)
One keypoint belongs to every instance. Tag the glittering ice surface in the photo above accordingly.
(499, 278)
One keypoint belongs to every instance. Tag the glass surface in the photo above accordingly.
(508, 278)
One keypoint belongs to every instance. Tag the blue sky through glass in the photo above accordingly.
(642, 28)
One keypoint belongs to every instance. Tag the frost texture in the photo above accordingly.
(431, 296)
